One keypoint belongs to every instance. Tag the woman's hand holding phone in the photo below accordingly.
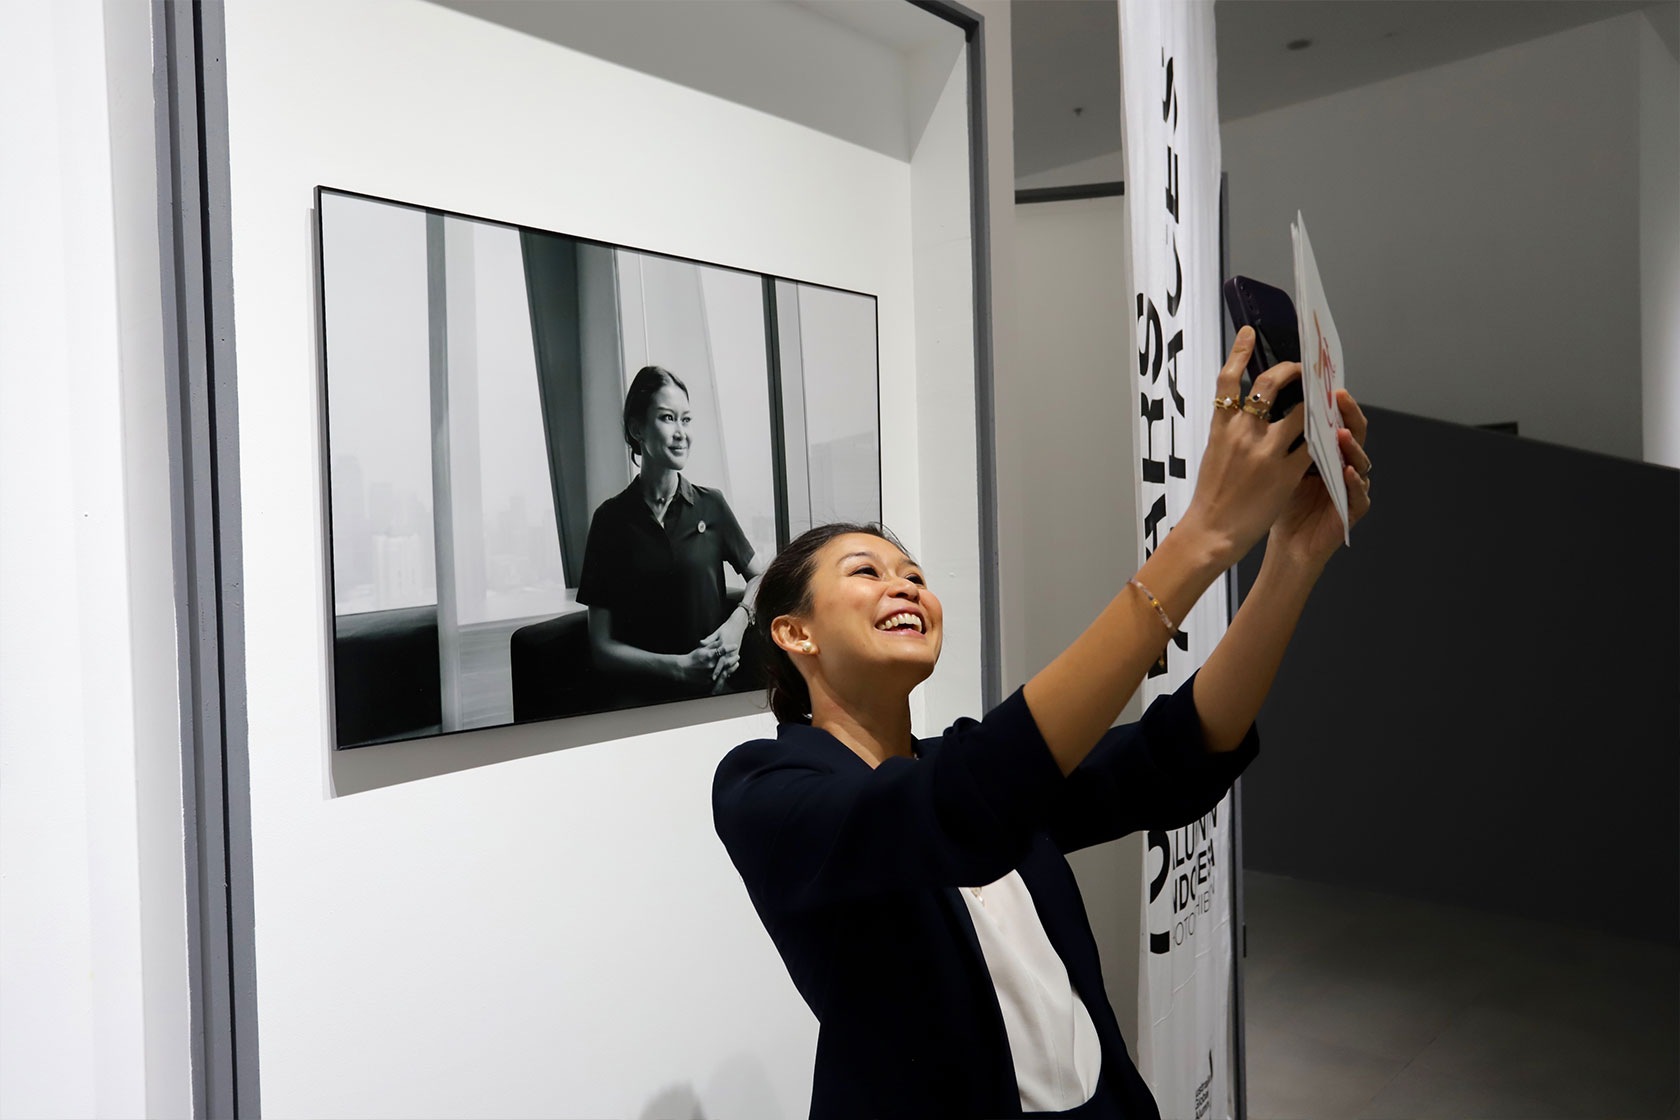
(1309, 529)
(1248, 472)
(1247, 476)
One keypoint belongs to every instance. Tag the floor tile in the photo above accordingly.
(1288, 919)
(1580, 1072)
(1452, 965)
(1418, 1094)
(1469, 1013)
(1377, 1016)
(1293, 1077)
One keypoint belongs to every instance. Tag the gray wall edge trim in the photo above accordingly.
(176, 129)
(973, 26)
(1070, 193)
(195, 235)
(236, 771)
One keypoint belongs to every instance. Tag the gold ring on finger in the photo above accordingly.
(1257, 407)
(1225, 402)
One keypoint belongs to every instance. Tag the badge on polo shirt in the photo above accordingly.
(702, 526)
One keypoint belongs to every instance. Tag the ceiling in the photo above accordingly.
(1066, 57)
(1067, 72)
(898, 25)
(833, 65)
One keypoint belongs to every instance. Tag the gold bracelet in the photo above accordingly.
(1156, 603)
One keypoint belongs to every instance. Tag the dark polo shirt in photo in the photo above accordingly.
(663, 583)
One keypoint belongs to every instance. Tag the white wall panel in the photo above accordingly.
(93, 978)
(560, 934)
(1077, 438)
(1477, 226)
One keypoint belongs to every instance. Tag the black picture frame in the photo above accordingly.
(375, 663)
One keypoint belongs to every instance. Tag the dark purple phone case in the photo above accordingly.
(1271, 313)
(1277, 338)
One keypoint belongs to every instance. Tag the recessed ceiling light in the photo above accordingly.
(1298, 44)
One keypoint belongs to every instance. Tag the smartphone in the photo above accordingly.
(1277, 338)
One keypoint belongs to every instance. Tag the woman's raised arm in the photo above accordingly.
(1247, 475)
(1233, 682)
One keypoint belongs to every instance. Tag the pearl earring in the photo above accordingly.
(806, 646)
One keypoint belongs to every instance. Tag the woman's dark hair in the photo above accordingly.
(643, 388)
(785, 588)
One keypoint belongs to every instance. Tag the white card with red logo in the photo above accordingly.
(1321, 370)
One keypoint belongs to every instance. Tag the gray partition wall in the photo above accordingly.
(1481, 705)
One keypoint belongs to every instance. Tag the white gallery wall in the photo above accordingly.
(493, 941)
(560, 933)
(1478, 228)
(1077, 437)
(93, 941)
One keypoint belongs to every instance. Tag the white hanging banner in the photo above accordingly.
(1168, 93)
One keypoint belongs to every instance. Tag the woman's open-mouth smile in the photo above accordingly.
(904, 624)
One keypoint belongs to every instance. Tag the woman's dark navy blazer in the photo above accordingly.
(855, 871)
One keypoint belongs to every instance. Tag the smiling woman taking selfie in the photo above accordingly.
(916, 888)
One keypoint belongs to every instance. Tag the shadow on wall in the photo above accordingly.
(675, 1103)
(737, 1087)
(388, 764)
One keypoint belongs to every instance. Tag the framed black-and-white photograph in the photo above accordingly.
(555, 463)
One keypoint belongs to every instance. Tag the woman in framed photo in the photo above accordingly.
(917, 888)
(661, 624)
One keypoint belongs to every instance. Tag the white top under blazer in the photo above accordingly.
(1052, 1041)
